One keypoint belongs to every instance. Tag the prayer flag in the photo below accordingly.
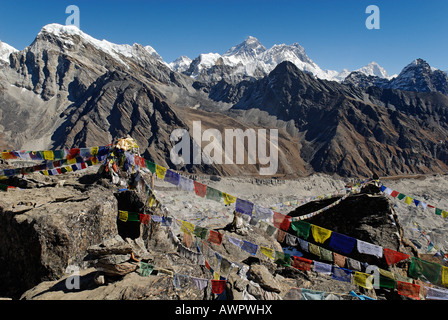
(218, 286)
(48, 155)
(394, 193)
(160, 171)
(213, 194)
(302, 228)
(244, 206)
(123, 215)
(314, 249)
(363, 280)
(186, 184)
(282, 259)
(151, 166)
(263, 213)
(268, 252)
(326, 254)
(249, 247)
(342, 243)
(401, 196)
(408, 289)
(368, 248)
(200, 232)
(341, 274)
(425, 270)
(200, 189)
(322, 267)
(445, 276)
(215, 237)
(145, 218)
(408, 200)
(187, 227)
(171, 177)
(281, 221)
(320, 234)
(200, 283)
(228, 199)
(393, 256)
(302, 263)
(145, 269)
(436, 294)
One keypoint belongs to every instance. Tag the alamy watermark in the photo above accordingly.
(234, 144)
(74, 18)
(72, 282)
(373, 20)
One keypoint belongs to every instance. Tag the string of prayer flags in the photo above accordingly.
(342, 243)
(301, 263)
(218, 286)
(171, 177)
(393, 256)
(228, 199)
(320, 234)
(363, 279)
(200, 189)
(244, 206)
(302, 228)
(408, 289)
(160, 171)
(215, 237)
(425, 270)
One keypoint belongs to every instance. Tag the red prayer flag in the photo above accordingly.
(215, 237)
(72, 153)
(218, 286)
(302, 263)
(408, 289)
(393, 256)
(144, 218)
(394, 193)
(281, 221)
(200, 189)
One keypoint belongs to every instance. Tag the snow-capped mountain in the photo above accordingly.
(250, 58)
(5, 51)
(374, 69)
(417, 76)
(181, 64)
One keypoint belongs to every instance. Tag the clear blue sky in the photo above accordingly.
(332, 32)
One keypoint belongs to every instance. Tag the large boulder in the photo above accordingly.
(44, 230)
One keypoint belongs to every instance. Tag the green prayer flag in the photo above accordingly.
(302, 228)
(424, 270)
(145, 269)
(401, 196)
(151, 166)
(213, 194)
(386, 282)
(282, 259)
(439, 211)
(133, 216)
(200, 232)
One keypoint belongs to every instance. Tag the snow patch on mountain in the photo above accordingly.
(181, 64)
(374, 69)
(5, 51)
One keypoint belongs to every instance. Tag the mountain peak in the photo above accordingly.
(374, 69)
(5, 51)
(246, 50)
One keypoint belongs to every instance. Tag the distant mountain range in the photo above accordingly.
(69, 89)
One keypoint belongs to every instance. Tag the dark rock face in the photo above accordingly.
(53, 231)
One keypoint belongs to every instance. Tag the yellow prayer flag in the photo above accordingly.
(71, 161)
(45, 172)
(363, 280)
(160, 171)
(94, 151)
(215, 275)
(445, 276)
(267, 252)
(48, 155)
(187, 227)
(151, 201)
(444, 214)
(123, 215)
(408, 200)
(228, 199)
(320, 234)
(69, 169)
(386, 273)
